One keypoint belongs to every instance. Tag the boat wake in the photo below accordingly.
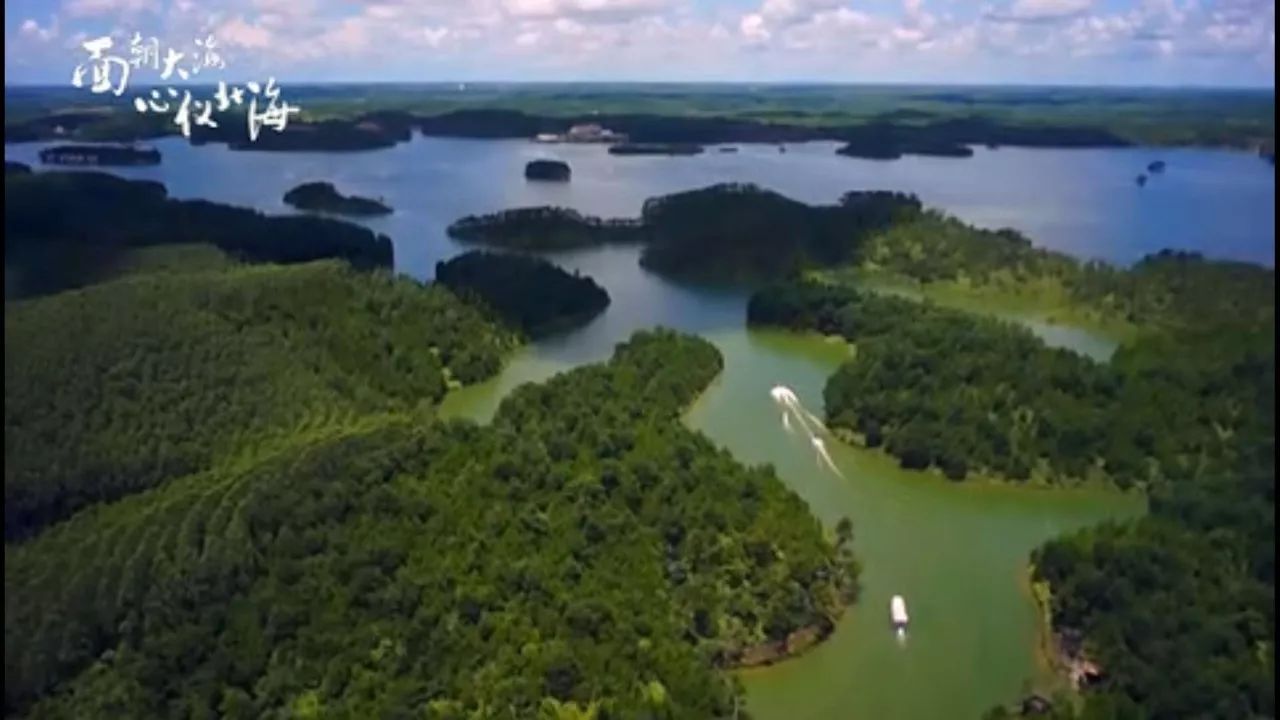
(795, 415)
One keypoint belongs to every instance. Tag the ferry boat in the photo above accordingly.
(898, 613)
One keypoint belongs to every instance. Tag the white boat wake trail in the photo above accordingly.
(807, 422)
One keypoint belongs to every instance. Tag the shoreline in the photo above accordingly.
(1064, 672)
(1028, 303)
(981, 478)
(795, 644)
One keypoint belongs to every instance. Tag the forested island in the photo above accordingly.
(654, 148)
(887, 142)
(66, 229)
(727, 232)
(529, 293)
(324, 197)
(99, 155)
(543, 228)
(552, 170)
(744, 233)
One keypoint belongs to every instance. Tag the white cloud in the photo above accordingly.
(434, 36)
(908, 35)
(787, 12)
(1042, 10)
(565, 26)
(87, 8)
(33, 30)
(753, 28)
(350, 36)
(236, 32)
(607, 10)
(382, 11)
(773, 39)
(845, 18)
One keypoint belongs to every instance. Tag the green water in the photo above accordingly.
(956, 552)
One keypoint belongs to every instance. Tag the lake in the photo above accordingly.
(956, 552)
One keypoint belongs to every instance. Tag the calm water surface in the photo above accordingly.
(957, 552)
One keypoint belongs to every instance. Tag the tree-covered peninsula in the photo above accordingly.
(324, 197)
(576, 557)
(531, 294)
(124, 155)
(65, 229)
(1169, 289)
(942, 388)
(1173, 615)
(124, 385)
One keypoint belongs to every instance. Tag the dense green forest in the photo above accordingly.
(932, 246)
(68, 229)
(727, 232)
(655, 148)
(741, 232)
(529, 293)
(1167, 289)
(324, 197)
(120, 386)
(942, 388)
(542, 228)
(554, 170)
(1177, 609)
(227, 494)
(576, 557)
(904, 120)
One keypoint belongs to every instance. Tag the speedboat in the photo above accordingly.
(898, 613)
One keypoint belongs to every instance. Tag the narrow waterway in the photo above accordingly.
(957, 552)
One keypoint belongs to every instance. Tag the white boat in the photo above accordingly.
(898, 612)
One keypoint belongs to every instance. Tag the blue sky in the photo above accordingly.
(1110, 42)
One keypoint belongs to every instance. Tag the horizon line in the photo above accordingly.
(692, 83)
